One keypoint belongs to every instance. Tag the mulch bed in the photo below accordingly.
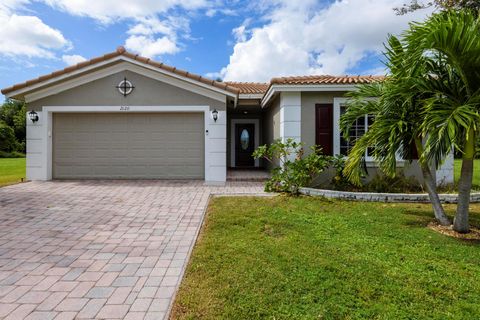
(474, 233)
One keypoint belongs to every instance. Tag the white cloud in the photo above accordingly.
(240, 33)
(152, 37)
(108, 11)
(301, 37)
(213, 75)
(148, 46)
(72, 59)
(155, 29)
(28, 36)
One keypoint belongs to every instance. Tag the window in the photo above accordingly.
(358, 129)
(245, 139)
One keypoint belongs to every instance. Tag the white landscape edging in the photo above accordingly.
(383, 197)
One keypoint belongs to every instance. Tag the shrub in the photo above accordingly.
(7, 138)
(398, 184)
(296, 169)
(379, 183)
(13, 154)
(339, 181)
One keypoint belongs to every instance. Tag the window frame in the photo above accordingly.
(338, 102)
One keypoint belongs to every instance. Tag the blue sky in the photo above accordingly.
(230, 39)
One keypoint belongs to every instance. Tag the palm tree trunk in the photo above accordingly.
(431, 186)
(460, 223)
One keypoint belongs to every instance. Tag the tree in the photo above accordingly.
(13, 114)
(396, 108)
(414, 5)
(7, 138)
(435, 78)
(19, 127)
(449, 42)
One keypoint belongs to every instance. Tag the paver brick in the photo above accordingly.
(66, 286)
(81, 290)
(100, 292)
(52, 301)
(36, 297)
(21, 312)
(7, 308)
(71, 304)
(41, 315)
(91, 308)
(113, 311)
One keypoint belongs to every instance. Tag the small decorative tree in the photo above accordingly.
(293, 169)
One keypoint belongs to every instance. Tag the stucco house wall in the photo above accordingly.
(271, 124)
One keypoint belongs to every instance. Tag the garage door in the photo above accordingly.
(128, 146)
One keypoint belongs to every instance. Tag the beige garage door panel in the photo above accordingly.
(128, 145)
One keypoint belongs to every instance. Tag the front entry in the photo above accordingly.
(244, 144)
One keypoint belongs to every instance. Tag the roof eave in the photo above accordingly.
(274, 88)
(19, 90)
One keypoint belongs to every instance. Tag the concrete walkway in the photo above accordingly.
(99, 249)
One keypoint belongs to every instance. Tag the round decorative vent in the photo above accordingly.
(125, 87)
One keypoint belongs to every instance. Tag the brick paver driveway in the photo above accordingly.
(98, 249)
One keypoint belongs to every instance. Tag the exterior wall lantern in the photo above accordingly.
(33, 116)
(215, 115)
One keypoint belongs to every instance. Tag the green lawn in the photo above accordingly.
(309, 258)
(12, 170)
(476, 173)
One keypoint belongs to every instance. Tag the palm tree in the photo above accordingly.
(450, 44)
(397, 109)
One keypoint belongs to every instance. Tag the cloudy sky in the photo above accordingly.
(231, 39)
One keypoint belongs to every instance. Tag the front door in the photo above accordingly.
(244, 144)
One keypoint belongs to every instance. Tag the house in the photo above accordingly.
(125, 116)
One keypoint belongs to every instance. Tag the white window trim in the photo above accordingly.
(233, 122)
(212, 173)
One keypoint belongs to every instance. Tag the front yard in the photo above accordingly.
(309, 258)
(12, 170)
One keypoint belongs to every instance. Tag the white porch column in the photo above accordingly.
(290, 116)
(36, 153)
(444, 174)
(216, 150)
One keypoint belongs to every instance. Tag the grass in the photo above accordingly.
(476, 172)
(310, 258)
(12, 170)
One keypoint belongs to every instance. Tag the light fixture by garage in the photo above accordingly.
(33, 116)
(215, 115)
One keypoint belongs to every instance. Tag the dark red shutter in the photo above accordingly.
(324, 127)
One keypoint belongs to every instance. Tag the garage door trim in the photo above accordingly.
(212, 137)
